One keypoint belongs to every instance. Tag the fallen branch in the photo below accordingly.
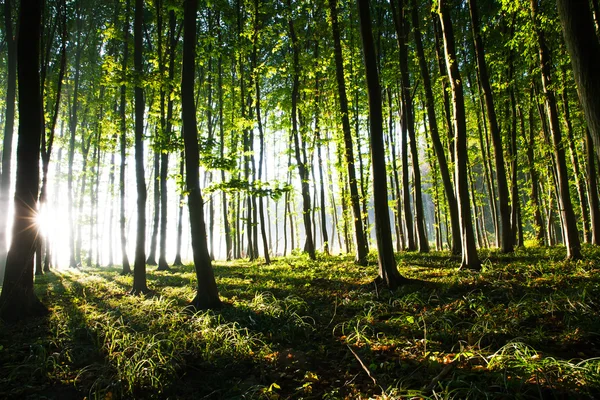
(367, 370)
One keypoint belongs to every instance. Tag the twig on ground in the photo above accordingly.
(367, 370)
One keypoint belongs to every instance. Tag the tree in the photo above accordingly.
(139, 266)
(507, 244)
(207, 295)
(11, 86)
(18, 300)
(388, 272)
(123, 142)
(438, 148)
(303, 168)
(470, 258)
(571, 236)
(359, 233)
(579, 33)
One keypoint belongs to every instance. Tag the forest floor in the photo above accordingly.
(527, 326)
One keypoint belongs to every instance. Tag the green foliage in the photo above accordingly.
(524, 327)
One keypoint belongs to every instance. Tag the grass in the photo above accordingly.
(528, 326)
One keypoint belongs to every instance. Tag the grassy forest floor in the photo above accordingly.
(528, 326)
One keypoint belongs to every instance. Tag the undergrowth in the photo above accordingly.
(527, 326)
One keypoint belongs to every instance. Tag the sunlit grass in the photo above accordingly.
(527, 327)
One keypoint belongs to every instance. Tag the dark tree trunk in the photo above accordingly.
(571, 236)
(578, 30)
(435, 136)
(538, 222)
(359, 234)
(164, 158)
(9, 124)
(593, 190)
(402, 29)
(151, 260)
(388, 273)
(18, 300)
(72, 131)
(580, 186)
(139, 266)
(470, 258)
(506, 243)
(207, 295)
(178, 260)
(123, 145)
(300, 153)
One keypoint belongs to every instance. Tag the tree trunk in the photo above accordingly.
(207, 296)
(177, 260)
(139, 266)
(435, 136)
(300, 158)
(507, 242)
(18, 300)
(580, 186)
(571, 236)
(388, 273)
(578, 30)
(123, 143)
(359, 234)
(593, 190)
(470, 258)
(163, 265)
(151, 260)
(9, 123)
(261, 206)
(402, 29)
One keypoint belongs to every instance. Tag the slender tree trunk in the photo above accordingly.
(435, 136)
(571, 236)
(163, 265)
(18, 300)
(177, 260)
(575, 161)
(470, 258)
(507, 244)
(207, 295)
(538, 221)
(402, 29)
(439, 44)
(139, 266)
(151, 260)
(300, 159)
(359, 234)
(388, 273)
(593, 190)
(123, 143)
(261, 206)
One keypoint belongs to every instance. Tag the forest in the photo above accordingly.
(299, 199)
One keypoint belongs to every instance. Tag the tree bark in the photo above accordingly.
(578, 30)
(300, 158)
(571, 236)
(388, 273)
(359, 234)
(139, 266)
(9, 124)
(507, 242)
(18, 300)
(470, 259)
(207, 296)
(435, 136)
(123, 144)
(593, 190)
